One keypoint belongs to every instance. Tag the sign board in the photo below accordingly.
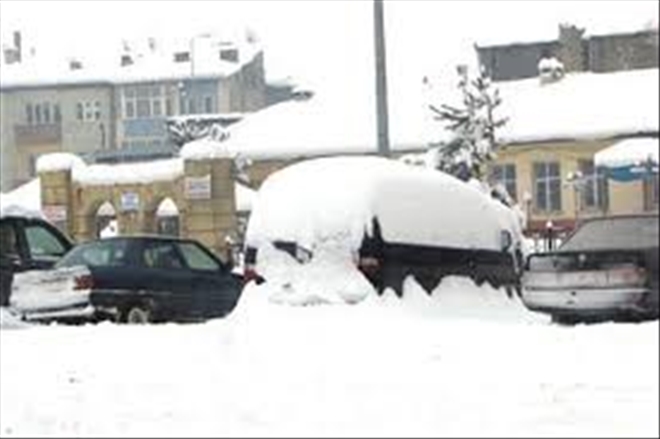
(55, 212)
(130, 201)
(197, 188)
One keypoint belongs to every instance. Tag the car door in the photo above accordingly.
(215, 291)
(166, 278)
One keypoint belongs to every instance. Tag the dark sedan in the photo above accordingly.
(606, 270)
(134, 279)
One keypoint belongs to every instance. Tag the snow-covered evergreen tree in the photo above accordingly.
(473, 124)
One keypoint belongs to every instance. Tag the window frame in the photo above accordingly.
(548, 180)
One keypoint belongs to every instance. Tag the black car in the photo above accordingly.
(134, 279)
(606, 270)
(27, 243)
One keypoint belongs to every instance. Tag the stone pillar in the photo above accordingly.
(209, 206)
(571, 53)
(56, 199)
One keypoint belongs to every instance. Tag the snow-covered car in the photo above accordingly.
(27, 242)
(134, 279)
(387, 218)
(607, 269)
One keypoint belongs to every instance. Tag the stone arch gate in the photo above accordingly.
(202, 189)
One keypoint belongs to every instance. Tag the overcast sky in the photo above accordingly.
(317, 38)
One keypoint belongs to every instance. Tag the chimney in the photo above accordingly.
(17, 46)
(571, 53)
(74, 64)
(126, 60)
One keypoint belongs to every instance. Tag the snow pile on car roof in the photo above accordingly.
(335, 199)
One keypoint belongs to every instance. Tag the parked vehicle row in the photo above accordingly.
(134, 279)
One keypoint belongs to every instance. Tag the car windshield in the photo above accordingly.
(111, 252)
(623, 233)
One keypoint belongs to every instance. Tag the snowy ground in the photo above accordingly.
(384, 367)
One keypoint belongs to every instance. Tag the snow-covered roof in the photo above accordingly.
(579, 106)
(332, 122)
(629, 152)
(128, 173)
(25, 200)
(154, 65)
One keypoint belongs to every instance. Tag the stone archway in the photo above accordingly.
(201, 188)
(167, 218)
(105, 215)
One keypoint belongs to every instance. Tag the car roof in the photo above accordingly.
(625, 232)
(144, 237)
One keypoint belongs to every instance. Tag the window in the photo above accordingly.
(191, 106)
(181, 57)
(161, 255)
(547, 186)
(129, 110)
(196, 258)
(506, 176)
(57, 115)
(208, 104)
(98, 253)
(168, 107)
(230, 55)
(46, 107)
(97, 110)
(42, 242)
(87, 111)
(594, 189)
(29, 114)
(37, 114)
(143, 101)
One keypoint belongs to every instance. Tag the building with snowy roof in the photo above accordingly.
(117, 110)
(599, 51)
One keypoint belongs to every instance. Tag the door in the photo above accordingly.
(215, 290)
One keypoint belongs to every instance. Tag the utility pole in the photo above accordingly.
(381, 81)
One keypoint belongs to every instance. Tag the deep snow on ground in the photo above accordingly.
(465, 362)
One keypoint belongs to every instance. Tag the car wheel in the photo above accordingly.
(138, 315)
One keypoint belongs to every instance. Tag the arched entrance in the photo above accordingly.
(106, 221)
(167, 218)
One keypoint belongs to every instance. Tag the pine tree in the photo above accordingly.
(473, 124)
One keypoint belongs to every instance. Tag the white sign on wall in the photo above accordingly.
(197, 188)
(55, 212)
(130, 201)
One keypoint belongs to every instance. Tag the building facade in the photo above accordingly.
(121, 114)
(596, 53)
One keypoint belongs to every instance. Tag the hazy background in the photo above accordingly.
(317, 39)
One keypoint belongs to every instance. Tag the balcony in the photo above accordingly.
(37, 134)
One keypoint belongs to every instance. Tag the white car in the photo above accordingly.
(606, 270)
(387, 218)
